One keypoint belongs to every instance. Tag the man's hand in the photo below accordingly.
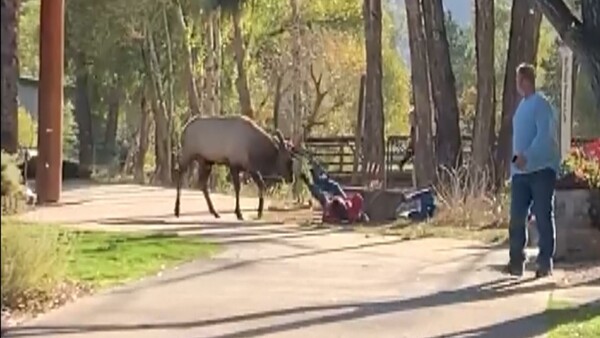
(520, 161)
(305, 179)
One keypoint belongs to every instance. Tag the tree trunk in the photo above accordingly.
(143, 140)
(241, 81)
(485, 115)
(209, 60)
(171, 84)
(358, 132)
(192, 90)
(580, 36)
(522, 47)
(83, 114)
(9, 132)
(374, 146)
(443, 86)
(277, 101)
(298, 131)
(159, 107)
(216, 30)
(211, 103)
(112, 120)
(424, 154)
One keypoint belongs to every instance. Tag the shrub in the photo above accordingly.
(27, 129)
(583, 164)
(466, 200)
(11, 176)
(33, 261)
(12, 190)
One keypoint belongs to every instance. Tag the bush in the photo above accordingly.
(467, 200)
(27, 129)
(582, 165)
(12, 190)
(33, 261)
(11, 176)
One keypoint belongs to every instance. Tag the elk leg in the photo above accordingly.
(235, 179)
(260, 184)
(179, 176)
(203, 175)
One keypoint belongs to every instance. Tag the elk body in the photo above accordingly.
(238, 143)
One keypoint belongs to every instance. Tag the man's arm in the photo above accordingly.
(543, 141)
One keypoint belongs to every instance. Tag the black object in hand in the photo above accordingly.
(514, 159)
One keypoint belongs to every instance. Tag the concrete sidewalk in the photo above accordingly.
(283, 281)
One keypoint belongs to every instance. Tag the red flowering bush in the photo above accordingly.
(583, 165)
(592, 150)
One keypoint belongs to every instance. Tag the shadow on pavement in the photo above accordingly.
(522, 328)
(167, 218)
(244, 263)
(345, 312)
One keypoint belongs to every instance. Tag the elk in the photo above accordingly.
(238, 143)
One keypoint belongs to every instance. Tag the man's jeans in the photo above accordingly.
(535, 190)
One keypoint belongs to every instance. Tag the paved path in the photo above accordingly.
(279, 280)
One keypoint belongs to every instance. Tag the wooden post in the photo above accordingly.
(50, 98)
(567, 94)
(358, 132)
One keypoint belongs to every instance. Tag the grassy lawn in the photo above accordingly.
(567, 321)
(97, 258)
(105, 258)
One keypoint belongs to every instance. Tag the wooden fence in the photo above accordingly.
(338, 155)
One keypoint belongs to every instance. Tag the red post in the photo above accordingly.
(50, 101)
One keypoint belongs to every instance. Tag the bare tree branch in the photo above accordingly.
(313, 118)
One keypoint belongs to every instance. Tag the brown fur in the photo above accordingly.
(237, 142)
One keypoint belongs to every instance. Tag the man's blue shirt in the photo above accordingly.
(535, 135)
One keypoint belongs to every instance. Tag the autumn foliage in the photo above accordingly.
(582, 165)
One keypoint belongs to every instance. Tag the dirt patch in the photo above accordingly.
(296, 214)
(580, 274)
(37, 302)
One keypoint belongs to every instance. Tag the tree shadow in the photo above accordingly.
(245, 263)
(165, 218)
(522, 328)
(161, 220)
(344, 312)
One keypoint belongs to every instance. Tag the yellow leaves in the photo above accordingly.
(468, 102)
(342, 11)
(27, 129)
(343, 51)
(396, 91)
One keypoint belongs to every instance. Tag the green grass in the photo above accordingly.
(107, 258)
(41, 263)
(568, 321)
(100, 258)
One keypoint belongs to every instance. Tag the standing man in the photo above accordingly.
(534, 168)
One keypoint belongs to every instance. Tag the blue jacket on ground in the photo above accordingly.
(535, 135)
(325, 183)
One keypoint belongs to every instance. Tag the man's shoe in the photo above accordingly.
(514, 269)
(541, 273)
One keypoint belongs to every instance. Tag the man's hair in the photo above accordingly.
(527, 71)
